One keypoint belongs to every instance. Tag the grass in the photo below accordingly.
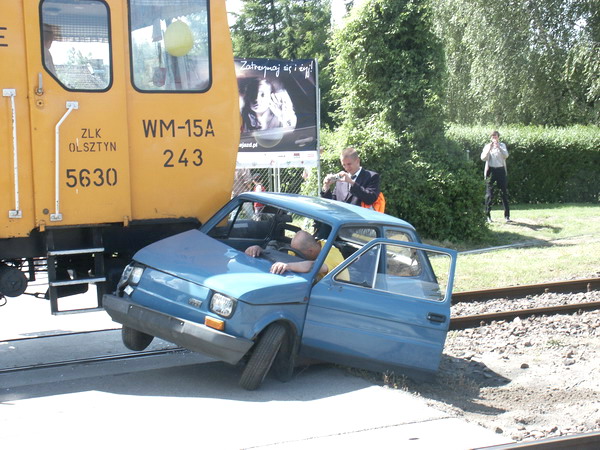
(546, 243)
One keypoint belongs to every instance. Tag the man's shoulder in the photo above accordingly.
(367, 174)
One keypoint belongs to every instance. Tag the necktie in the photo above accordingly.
(353, 177)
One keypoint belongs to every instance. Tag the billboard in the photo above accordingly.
(278, 106)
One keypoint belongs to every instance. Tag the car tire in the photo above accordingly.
(262, 357)
(285, 361)
(134, 339)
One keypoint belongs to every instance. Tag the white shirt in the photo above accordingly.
(355, 176)
(496, 155)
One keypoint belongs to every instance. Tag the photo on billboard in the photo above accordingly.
(278, 107)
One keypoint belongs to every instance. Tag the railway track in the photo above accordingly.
(456, 323)
(587, 441)
(582, 285)
(574, 286)
(94, 359)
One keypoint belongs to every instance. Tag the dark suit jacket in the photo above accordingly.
(365, 189)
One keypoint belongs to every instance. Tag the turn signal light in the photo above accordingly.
(214, 323)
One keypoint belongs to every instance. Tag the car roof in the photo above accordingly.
(325, 210)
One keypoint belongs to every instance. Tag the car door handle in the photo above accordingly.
(433, 317)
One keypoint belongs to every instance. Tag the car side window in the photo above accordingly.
(362, 271)
(359, 235)
(397, 235)
(401, 270)
(351, 239)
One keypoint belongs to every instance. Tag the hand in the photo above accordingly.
(345, 176)
(279, 268)
(281, 105)
(329, 180)
(254, 251)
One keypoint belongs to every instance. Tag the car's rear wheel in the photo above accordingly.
(262, 357)
(134, 339)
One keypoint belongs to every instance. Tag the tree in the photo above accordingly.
(389, 82)
(519, 61)
(256, 32)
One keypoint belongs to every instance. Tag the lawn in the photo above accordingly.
(543, 243)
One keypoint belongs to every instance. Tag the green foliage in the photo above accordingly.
(533, 62)
(388, 73)
(389, 68)
(257, 31)
(443, 200)
(546, 165)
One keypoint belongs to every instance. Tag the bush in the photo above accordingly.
(443, 200)
(389, 84)
(546, 165)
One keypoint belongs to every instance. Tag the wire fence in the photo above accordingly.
(293, 180)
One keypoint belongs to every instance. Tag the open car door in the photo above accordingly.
(387, 307)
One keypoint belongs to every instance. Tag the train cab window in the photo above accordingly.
(170, 45)
(75, 43)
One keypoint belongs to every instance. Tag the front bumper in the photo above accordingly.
(193, 336)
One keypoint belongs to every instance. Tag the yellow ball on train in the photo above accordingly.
(178, 38)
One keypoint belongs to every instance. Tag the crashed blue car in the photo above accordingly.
(385, 307)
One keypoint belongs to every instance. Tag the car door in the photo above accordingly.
(387, 307)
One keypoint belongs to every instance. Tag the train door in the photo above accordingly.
(75, 56)
(184, 118)
(16, 188)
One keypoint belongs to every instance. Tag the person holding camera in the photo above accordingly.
(494, 154)
(354, 184)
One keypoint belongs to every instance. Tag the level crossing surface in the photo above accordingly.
(186, 399)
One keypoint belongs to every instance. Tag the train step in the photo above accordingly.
(78, 251)
(72, 270)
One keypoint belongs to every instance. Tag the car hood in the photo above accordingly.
(198, 258)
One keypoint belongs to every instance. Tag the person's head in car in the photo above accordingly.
(306, 244)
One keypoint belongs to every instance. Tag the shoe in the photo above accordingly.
(489, 219)
(508, 220)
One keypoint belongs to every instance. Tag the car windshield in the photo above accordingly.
(273, 229)
(252, 223)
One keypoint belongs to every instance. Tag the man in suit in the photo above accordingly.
(354, 185)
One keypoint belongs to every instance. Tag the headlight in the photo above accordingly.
(125, 276)
(222, 305)
(131, 276)
(136, 275)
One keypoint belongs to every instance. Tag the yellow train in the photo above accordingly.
(119, 125)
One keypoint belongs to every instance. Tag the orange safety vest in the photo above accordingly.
(378, 205)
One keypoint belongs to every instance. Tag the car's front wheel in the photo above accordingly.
(285, 361)
(134, 339)
(262, 357)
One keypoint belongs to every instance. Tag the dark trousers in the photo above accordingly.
(496, 176)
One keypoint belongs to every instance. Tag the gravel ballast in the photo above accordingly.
(526, 378)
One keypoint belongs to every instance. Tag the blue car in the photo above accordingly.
(374, 296)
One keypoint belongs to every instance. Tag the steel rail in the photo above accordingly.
(586, 441)
(583, 285)
(66, 333)
(463, 322)
(104, 358)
